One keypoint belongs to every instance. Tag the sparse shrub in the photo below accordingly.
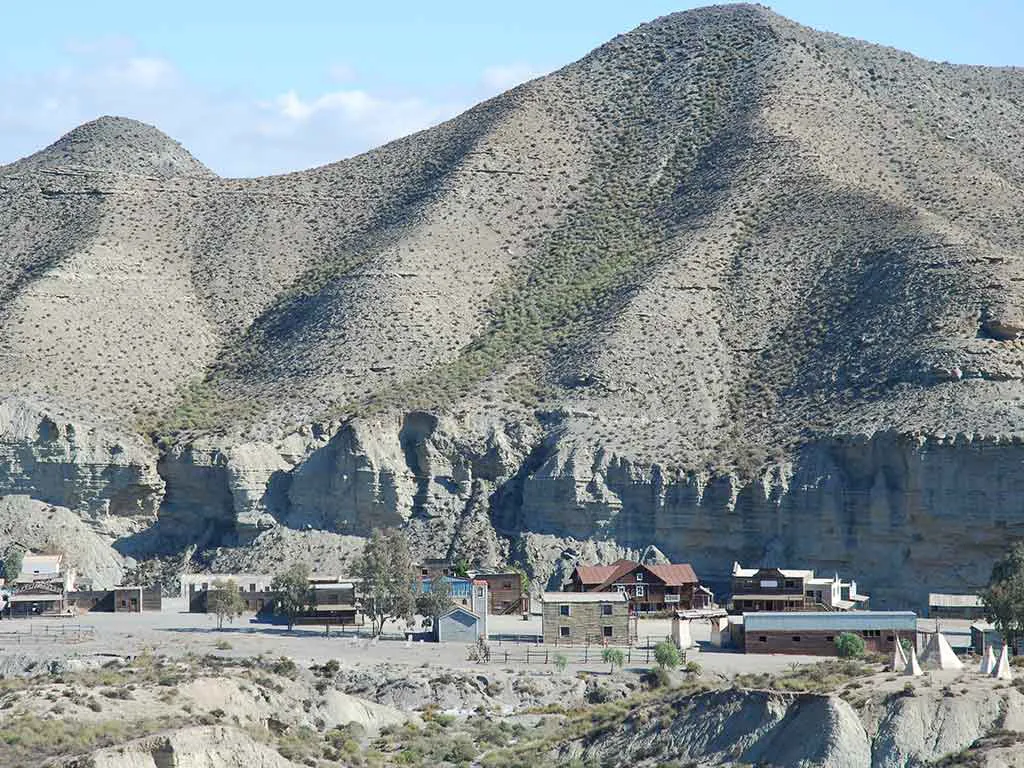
(849, 646)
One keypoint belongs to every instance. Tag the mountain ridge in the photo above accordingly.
(721, 271)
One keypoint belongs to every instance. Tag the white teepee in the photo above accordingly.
(1002, 670)
(899, 658)
(988, 662)
(939, 655)
(913, 669)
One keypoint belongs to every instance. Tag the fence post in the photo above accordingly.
(586, 650)
(648, 653)
(545, 655)
(506, 655)
(629, 655)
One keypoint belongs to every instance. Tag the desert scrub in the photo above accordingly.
(816, 678)
(29, 740)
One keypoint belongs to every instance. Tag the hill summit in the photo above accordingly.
(117, 144)
(727, 285)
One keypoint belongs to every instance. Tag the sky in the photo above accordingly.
(258, 87)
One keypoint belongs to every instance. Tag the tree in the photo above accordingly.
(849, 646)
(436, 602)
(561, 661)
(613, 657)
(667, 655)
(13, 559)
(1004, 596)
(294, 593)
(224, 601)
(389, 578)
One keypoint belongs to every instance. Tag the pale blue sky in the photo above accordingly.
(264, 87)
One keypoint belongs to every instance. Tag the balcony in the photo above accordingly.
(671, 598)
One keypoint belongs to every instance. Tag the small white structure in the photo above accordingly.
(899, 658)
(988, 662)
(938, 654)
(913, 669)
(1002, 670)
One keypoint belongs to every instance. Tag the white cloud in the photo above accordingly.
(501, 78)
(235, 134)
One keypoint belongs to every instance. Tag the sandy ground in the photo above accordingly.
(174, 632)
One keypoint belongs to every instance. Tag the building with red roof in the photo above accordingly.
(649, 588)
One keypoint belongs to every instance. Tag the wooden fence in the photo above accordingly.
(31, 633)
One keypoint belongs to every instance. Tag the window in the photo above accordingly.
(252, 587)
(639, 590)
(563, 610)
(796, 638)
(828, 638)
(606, 609)
(205, 586)
(563, 631)
(872, 633)
(606, 631)
(506, 585)
(479, 591)
(424, 572)
(639, 577)
(790, 584)
(890, 638)
(620, 587)
(762, 638)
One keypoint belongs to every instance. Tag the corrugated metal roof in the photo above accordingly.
(825, 620)
(674, 574)
(583, 597)
(941, 600)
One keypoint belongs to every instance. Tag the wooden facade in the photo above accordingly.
(567, 619)
(815, 633)
(648, 588)
(506, 592)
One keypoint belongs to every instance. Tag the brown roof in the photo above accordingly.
(598, 574)
(674, 575)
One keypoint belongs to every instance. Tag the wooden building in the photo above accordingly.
(117, 600)
(966, 607)
(579, 618)
(506, 591)
(814, 633)
(647, 588)
(254, 588)
(778, 589)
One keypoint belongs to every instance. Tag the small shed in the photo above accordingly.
(815, 632)
(459, 625)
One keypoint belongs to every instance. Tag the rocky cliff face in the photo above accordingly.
(727, 285)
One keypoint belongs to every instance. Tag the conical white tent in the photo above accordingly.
(1002, 670)
(988, 662)
(913, 669)
(939, 654)
(899, 658)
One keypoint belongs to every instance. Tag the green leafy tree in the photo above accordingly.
(224, 601)
(1004, 596)
(849, 646)
(293, 592)
(436, 602)
(14, 556)
(561, 662)
(613, 657)
(389, 578)
(667, 655)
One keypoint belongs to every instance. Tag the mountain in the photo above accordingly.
(727, 285)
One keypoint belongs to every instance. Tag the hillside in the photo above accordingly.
(728, 284)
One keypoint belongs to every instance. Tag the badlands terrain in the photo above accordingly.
(219, 711)
(727, 284)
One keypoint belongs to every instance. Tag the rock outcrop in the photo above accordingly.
(727, 285)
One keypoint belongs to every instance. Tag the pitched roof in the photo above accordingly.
(601, 576)
(598, 574)
(674, 575)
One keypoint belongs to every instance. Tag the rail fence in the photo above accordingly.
(580, 654)
(36, 633)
